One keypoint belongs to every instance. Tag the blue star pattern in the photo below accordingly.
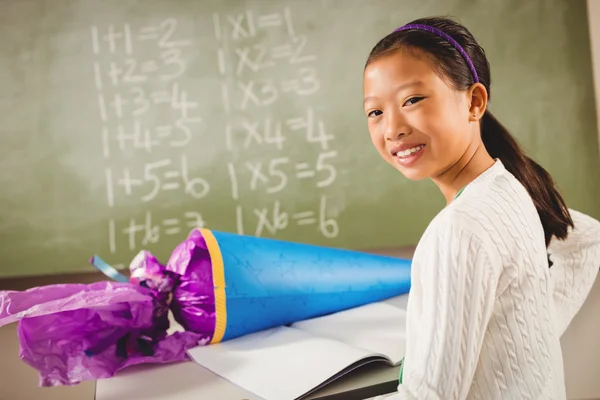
(272, 283)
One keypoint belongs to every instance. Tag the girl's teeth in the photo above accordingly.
(408, 152)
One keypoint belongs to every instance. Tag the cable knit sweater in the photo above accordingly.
(485, 313)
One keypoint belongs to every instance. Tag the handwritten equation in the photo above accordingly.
(151, 123)
(275, 218)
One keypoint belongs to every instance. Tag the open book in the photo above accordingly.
(290, 362)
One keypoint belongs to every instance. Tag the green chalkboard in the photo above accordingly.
(126, 123)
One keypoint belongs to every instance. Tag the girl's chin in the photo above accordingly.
(415, 173)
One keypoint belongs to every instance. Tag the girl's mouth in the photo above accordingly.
(408, 157)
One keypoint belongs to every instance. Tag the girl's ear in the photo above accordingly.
(478, 104)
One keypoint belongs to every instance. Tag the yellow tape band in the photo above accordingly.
(218, 273)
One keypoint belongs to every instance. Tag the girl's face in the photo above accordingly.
(417, 122)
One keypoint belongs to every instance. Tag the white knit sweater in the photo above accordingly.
(485, 313)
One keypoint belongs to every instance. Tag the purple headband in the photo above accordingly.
(450, 40)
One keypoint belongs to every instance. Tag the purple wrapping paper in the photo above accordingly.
(75, 332)
(194, 297)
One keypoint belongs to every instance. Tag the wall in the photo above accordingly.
(580, 342)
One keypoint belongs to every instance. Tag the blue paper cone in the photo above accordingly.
(263, 283)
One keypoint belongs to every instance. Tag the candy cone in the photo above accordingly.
(262, 283)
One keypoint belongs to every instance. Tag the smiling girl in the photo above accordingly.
(500, 272)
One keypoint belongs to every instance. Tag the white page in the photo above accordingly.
(277, 364)
(377, 327)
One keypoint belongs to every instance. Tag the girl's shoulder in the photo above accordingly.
(455, 221)
(497, 214)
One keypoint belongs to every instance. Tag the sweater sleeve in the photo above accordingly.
(575, 264)
(447, 318)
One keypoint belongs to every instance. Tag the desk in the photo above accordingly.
(190, 381)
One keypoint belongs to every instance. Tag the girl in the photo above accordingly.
(503, 268)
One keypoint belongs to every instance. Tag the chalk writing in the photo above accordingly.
(273, 218)
(162, 176)
(153, 126)
(132, 83)
(249, 84)
(142, 232)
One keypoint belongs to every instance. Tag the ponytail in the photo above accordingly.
(550, 205)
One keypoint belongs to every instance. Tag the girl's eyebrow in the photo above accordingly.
(398, 89)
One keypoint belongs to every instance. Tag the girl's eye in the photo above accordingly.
(413, 101)
(374, 113)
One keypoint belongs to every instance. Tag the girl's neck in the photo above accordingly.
(472, 163)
